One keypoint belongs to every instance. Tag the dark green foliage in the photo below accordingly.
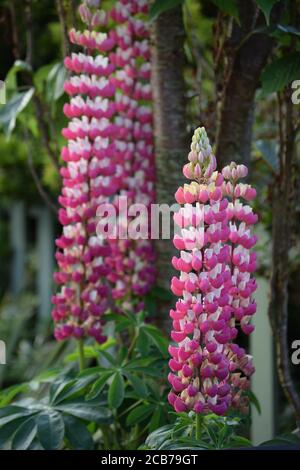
(216, 433)
(159, 6)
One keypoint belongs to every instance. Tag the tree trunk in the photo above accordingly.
(283, 216)
(170, 121)
(244, 55)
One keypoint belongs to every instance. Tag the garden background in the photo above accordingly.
(230, 66)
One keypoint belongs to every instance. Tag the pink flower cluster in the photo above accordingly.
(89, 178)
(109, 153)
(210, 372)
(131, 262)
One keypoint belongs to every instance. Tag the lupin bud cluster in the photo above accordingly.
(209, 371)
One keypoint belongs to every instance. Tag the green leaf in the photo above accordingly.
(35, 445)
(240, 441)
(122, 354)
(138, 414)
(108, 344)
(116, 391)
(268, 151)
(10, 413)
(223, 436)
(156, 438)
(51, 429)
(25, 435)
(8, 430)
(143, 343)
(156, 419)
(281, 73)
(73, 388)
(254, 401)
(93, 371)
(290, 439)
(141, 363)
(266, 7)
(57, 387)
(150, 305)
(213, 435)
(10, 393)
(229, 7)
(11, 77)
(55, 82)
(160, 6)
(185, 444)
(109, 358)
(285, 28)
(161, 293)
(47, 376)
(155, 372)
(41, 76)
(157, 339)
(77, 434)
(122, 325)
(98, 386)
(86, 411)
(10, 111)
(89, 353)
(139, 386)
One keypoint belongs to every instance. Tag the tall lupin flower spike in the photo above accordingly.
(209, 371)
(132, 270)
(89, 178)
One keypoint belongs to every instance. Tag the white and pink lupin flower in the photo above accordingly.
(132, 261)
(109, 154)
(209, 371)
(89, 179)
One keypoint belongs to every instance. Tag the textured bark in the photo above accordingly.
(62, 14)
(171, 142)
(284, 214)
(73, 11)
(244, 54)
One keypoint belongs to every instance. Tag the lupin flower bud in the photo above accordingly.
(92, 3)
(85, 13)
(202, 160)
(234, 172)
(209, 372)
(99, 19)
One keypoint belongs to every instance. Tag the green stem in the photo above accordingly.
(81, 358)
(130, 408)
(132, 345)
(198, 426)
(105, 438)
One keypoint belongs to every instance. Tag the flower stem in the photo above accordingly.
(198, 426)
(132, 345)
(81, 358)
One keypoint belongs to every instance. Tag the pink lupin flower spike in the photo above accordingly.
(89, 179)
(132, 261)
(209, 372)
